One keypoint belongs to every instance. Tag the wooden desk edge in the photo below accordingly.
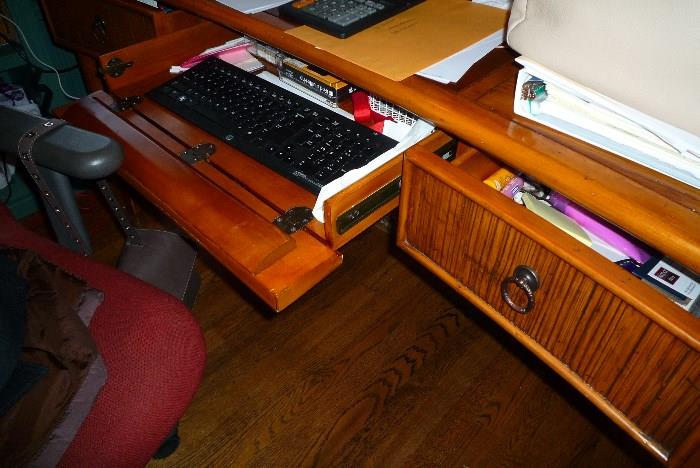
(603, 191)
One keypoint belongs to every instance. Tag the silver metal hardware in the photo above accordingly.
(128, 102)
(524, 278)
(116, 67)
(200, 152)
(294, 219)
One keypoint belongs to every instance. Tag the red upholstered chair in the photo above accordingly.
(152, 348)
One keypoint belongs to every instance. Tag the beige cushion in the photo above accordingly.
(642, 53)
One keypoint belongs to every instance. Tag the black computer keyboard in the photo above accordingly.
(297, 138)
(343, 18)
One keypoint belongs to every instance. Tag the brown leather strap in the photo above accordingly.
(25, 146)
(131, 234)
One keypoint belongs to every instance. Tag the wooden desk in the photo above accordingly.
(107, 25)
(626, 347)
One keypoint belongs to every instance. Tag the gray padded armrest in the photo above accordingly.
(68, 150)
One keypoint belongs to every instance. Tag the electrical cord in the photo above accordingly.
(29, 48)
(21, 53)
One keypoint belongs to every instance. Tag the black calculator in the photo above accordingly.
(343, 18)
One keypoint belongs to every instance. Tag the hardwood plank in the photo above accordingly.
(379, 365)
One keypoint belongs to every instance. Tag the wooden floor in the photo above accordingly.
(379, 365)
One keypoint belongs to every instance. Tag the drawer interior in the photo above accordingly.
(479, 166)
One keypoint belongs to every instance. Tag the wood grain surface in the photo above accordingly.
(624, 345)
(379, 365)
(628, 198)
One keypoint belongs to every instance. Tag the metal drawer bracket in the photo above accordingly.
(294, 219)
(366, 207)
(200, 152)
(115, 67)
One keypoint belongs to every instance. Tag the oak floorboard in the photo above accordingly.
(379, 365)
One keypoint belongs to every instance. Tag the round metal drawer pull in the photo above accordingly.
(526, 279)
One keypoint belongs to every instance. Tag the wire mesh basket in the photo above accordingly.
(397, 113)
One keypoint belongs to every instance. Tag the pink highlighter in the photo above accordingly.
(231, 55)
(600, 228)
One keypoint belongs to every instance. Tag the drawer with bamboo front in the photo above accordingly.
(629, 349)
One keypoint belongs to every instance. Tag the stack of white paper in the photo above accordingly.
(252, 6)
(502, 4)
(451, 69)
(590, 116)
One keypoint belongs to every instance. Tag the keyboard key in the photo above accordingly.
(343, 18)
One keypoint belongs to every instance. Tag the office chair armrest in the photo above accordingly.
(68, 150)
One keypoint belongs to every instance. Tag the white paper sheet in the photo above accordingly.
(152, 3)
(407, 137)
(451, 69)
(502, 4)
(252, 6)
(592, 117)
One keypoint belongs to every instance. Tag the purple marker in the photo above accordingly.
(602, 229)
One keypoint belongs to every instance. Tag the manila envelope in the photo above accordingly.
(414, 39)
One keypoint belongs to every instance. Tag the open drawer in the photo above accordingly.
(215, 210)
(226, 202)
(627, 348)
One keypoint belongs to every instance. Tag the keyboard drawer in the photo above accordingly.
(228, 202)
(216, 211)
(631, 351)
(249, 185)
(346, 214)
